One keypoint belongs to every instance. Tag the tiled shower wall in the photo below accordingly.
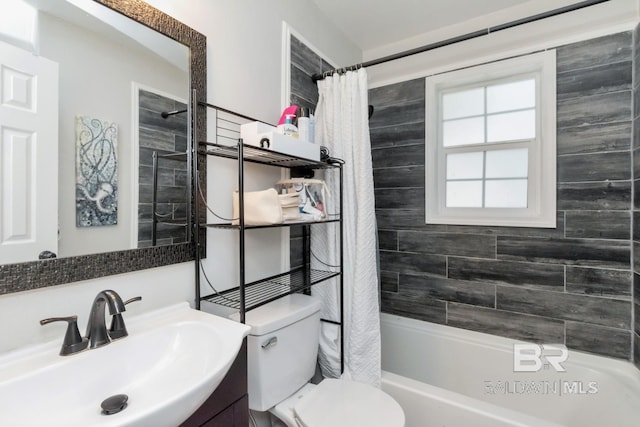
(571, 284)
(304, 92)
(164, 136)
(304, 64)
(636, 191)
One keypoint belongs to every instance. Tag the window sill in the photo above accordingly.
(496, 222)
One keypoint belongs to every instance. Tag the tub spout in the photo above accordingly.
(96, 327)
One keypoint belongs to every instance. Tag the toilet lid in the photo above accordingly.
(342, 403)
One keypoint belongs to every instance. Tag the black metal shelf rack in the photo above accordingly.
(260, 155)
(227, 225)
(266, 290)
(248, 296)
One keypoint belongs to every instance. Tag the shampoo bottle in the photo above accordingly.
(288, 128)
(312, 129)
(285, 124)
(304, 125)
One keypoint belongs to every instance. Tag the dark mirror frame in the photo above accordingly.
(44, 273)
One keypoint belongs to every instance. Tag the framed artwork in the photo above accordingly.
(96, 172)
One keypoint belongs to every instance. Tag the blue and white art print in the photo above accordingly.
(96, 172)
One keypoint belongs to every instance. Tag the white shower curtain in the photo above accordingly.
(342, 126)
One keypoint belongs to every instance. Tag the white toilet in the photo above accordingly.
(282, 352)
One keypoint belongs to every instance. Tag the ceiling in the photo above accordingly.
(374, 23)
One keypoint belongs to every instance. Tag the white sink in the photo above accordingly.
(169, 364)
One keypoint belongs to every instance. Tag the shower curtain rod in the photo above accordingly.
(461, 38)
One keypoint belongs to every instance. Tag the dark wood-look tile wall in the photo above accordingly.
(584, 252)
(598, 224)
(594, 138)
(583, 336)
(599, 282)
(389, 281)
(304, 64)
(571, 284)
(521, 274)
(636, 299)
(163, 136)
(505, 323)
(605, 195)
(636, 346)
(635, 144)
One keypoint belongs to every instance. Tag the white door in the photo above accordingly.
(28, 155)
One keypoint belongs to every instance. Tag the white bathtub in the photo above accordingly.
(450, 377)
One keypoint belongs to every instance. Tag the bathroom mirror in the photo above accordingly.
(119, 65)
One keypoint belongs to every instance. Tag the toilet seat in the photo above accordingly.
(342, 403)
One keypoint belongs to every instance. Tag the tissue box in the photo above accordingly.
(255, 132)
(253, 129)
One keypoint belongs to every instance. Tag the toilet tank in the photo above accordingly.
(282, 348)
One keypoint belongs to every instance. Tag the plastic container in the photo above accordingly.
(288, 128)
(313, 196)
(304, 124)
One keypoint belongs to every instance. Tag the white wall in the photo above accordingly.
(244, 45)
(95, 80)
(244, 62)
(21, 312)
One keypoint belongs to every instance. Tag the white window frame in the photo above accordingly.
(541, 183)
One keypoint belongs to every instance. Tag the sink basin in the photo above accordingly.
(170, 363)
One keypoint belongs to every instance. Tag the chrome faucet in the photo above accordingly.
(96, 328)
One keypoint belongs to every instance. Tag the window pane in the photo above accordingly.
(507, 163)
(464, 166)
(511, 96)
(464, 194)
(511, 126)
(463, 104)
(508, 193)
(462, 132)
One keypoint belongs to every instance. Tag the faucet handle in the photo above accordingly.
(118, 328)
(73, 341)
(134, 299)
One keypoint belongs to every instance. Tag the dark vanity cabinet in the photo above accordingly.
(228, 405)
